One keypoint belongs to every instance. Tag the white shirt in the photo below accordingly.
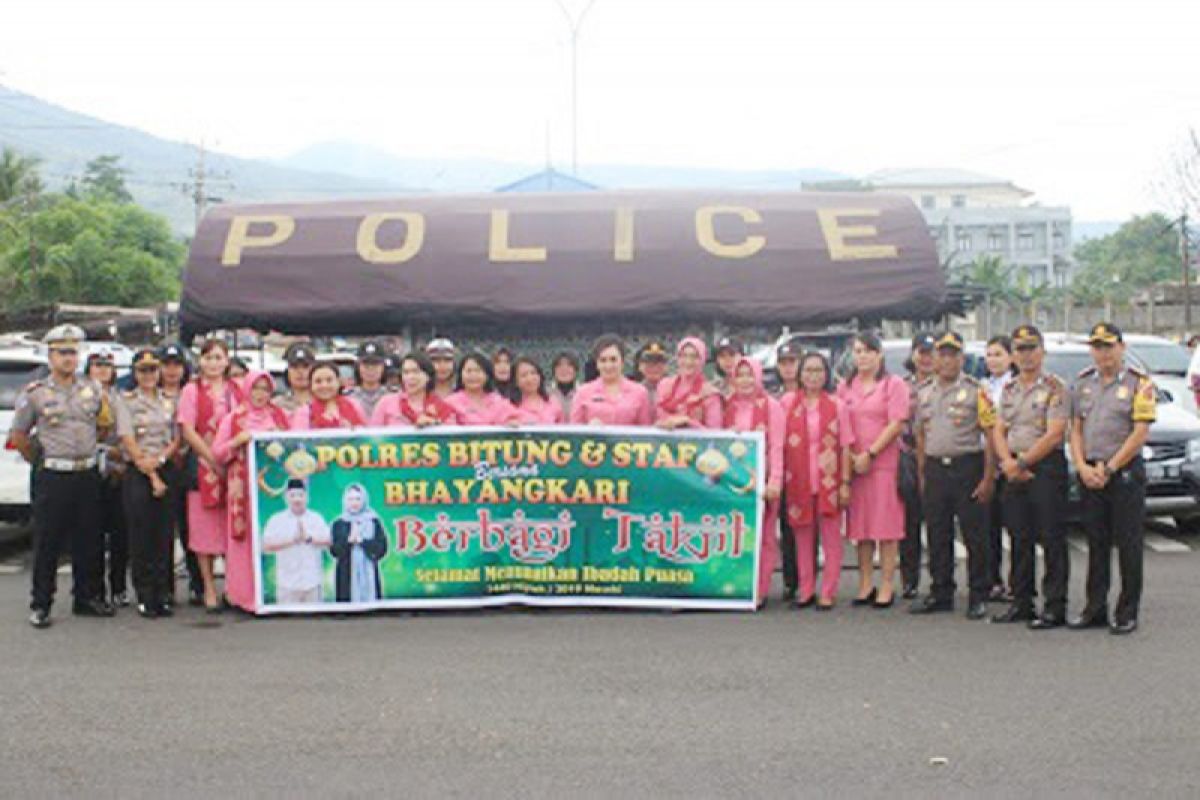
(297, 566)
(995, 386)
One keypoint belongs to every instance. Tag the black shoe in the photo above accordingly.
(865, 601)
(1013, 614)
(92, 608)
(812, 598)
(40, 618)
(147, 610)
(931, 606)
(165, 609)
(1119, 628)
(1044, 622)
(977, 610)
(1088, 619)
(891, 601)
(910, 591)
(998, 595)
(820, 607)
(120, 599)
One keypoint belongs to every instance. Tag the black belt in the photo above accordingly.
(950, 461)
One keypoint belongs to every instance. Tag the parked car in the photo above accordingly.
(19, 366)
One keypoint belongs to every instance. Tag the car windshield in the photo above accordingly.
(1067, 365)
(1163, 358)
(13, 378)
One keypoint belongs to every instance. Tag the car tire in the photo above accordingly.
(1188, 525)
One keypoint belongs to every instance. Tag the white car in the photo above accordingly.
(18, 367)
(1169, 364)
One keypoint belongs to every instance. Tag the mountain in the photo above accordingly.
(484, 175)
(160, 172)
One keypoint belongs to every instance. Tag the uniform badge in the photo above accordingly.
(1123, 393)
(962, 395)
(1040, 397)
(86, 393)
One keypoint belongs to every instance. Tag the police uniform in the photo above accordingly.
(113, 561)
(653, 351)
(150, 420)
(953, 419)
(723, 383)
(370, 352)
(1033, 509)
(1106, 412)
(179, 479)
(910, 493)
(297, 354)
(67, 417)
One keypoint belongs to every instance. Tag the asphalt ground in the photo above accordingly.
(520, 703)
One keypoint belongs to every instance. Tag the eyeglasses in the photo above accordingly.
(146, 369)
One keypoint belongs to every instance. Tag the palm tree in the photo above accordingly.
(18, 175)
(995, 279)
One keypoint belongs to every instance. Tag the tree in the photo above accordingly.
(1141, 253)
(104, 179)
(88, 250)
(18, 175)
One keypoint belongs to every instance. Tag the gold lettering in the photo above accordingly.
(368, 237)
(499, 248)
(707, 236)
(623, 235)
(836, 235)
(239, 237)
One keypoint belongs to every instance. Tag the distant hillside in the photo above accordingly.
(484, 175)
(159, 170)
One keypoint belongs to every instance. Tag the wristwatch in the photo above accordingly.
(1108, 471)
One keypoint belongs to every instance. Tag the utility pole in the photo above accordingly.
(200, 184)
(575, 24)
(1187, 275)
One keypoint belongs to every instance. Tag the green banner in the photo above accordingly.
(472, 517)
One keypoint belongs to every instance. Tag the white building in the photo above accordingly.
(972, 215)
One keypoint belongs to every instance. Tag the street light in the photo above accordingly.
(575, 24)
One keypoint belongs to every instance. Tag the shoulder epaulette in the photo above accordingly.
(1087, 372)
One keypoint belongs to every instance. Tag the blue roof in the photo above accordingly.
(549, 180)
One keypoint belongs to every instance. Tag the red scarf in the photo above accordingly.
(347, 411)
(686, 398)
(435, 407)
(799, 483)
(212, 488)
(758, 403)
(239, 470)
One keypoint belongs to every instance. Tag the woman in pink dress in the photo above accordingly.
(477, 402)
(611, 399)
(817, 461)
(415, 405)
(255, 412)
(202, 405)
(750, 408)
(878, 406)
(686, 399)
(537, 405)
(329, 408)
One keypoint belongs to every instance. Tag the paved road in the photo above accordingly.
(516, 703)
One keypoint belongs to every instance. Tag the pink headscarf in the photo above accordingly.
(253, 377)
(758, 399)
(701, 348)
(256, 418)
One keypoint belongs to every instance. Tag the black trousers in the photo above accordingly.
(65, 510)
(910, 545)
(149, 521)
(177, 482)
(787, 548)
(1033, 512)
(1116, 515)
(996, 525)
(113, 560)
(948, 490)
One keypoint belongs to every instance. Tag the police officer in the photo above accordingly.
(1112, 408)
(442, 354)
(920, 371)
(954, 416)
(1030, 427)
(113, 561)
(300, 358)
(369, 373)
(789, 351)
(652, 367)
(68, 412)
(726, 353)
(174, 372)
(146, 425)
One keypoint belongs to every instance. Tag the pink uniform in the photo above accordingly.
(489, 409)
(876, 510)
(740, 414)
(827, 528)
(302, 419)
(629, 404)
(239, 553)
(540, 411)
(389, 414)
(705, 414)
(206, 526)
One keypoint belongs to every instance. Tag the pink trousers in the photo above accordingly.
(806, 555)
(768, 558)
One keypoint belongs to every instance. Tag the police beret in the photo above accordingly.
(923, 341)
(653, 351)
(730, 343)
(1105, 333)
(172, 352)
(372, 351)
(789, 349)
(145, 358)
(1026, 334)
(950, 339)
(300, 353)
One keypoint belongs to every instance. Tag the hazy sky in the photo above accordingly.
(1081, 102)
